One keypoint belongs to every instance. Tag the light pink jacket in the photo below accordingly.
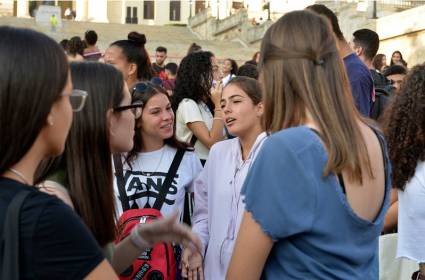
(218, 204)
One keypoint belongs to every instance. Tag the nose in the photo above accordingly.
(167, 115)
(227, 108)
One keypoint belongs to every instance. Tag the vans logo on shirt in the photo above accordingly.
(139, 185)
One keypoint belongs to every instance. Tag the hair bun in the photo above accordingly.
(139, 39)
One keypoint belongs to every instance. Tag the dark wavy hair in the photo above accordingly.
(87, 157)
(234, 70)
(194, 79)
(135, 52)
(404, 127)
(143, 97)
(76, 46)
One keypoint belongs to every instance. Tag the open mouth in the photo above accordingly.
(167, 126)
(230, 121)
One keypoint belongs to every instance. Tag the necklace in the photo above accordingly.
(20, 175)
(149, 174)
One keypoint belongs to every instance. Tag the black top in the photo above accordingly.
(53, 243)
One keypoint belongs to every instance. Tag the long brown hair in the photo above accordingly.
(302, 70)
(87, 158)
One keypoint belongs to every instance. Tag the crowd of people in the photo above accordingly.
(290, 166)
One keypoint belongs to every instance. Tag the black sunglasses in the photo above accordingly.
(136, 108)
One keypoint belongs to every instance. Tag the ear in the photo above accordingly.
(260, 109)
(358, 51)
(132, 69)
(50, 119)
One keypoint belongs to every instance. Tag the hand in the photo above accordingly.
(216, 94)
(191, 265)
(169, 230)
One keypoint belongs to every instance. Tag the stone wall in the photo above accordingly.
(236, 27)
(404, 31)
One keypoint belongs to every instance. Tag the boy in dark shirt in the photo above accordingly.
(358, 74)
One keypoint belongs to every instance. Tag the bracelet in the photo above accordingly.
(218, 118)
(137, 240)
(219, 109)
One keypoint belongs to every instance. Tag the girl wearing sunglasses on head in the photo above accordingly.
(155, 146)
(84, 173)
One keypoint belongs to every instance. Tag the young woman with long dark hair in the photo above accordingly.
(84, 172)
(155, 146)
(36, 115)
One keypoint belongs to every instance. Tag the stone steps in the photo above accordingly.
(175, 38)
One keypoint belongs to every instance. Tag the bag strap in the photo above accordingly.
(10, 265)
(119, 174)
(193, 140)
(169, 179)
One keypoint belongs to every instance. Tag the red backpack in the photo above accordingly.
(157, 263)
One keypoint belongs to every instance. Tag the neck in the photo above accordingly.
(131, 81)
(343, 48)
(247, 141)
(160, 64)
(226, 74)
(27, 167)
(151, 144)
(368, 63)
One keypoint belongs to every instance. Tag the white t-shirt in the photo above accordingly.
(188, 112)
(147, 175)
(411, 217)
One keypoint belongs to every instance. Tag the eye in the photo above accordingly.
(222, 105)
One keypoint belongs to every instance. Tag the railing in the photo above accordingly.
(400, 3)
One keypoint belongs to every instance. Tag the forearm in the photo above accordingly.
(124, 255)
(216, 132)
(127, 251)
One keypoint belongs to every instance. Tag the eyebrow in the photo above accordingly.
(233, 96)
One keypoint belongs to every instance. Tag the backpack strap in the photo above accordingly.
(10, 238)
(193, 140)
(119, 174)
(169, 179)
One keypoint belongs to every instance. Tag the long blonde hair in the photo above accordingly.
(302, 70)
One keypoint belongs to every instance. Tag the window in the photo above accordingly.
(148, 9)
(175, 10)
(199, 6)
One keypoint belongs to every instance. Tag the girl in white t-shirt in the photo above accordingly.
(199, 118)
(155, 146)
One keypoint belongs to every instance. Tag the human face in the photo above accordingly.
(122, 126)
(396, 57)
(384, 60)
(59, 122)
(227, 67)
(397, 80)
(241, 115)
(160, 57)
(115, 57)
(157, 121)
